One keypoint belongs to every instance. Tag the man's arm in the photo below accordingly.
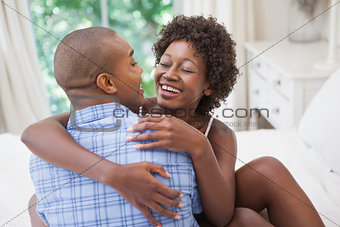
(49, 140)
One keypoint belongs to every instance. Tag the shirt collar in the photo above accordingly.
(97, 112)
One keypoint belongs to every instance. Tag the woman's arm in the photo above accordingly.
(214, 162)
(49, 140)
(223, 142)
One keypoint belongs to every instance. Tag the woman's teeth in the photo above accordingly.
(171, 89)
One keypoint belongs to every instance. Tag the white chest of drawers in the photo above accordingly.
(282, 81)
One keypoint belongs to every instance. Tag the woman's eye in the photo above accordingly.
(134, 64)
(187, 70)
(164, 65)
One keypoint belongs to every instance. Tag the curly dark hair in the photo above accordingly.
(212, 41)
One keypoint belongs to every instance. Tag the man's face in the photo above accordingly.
(127, 74)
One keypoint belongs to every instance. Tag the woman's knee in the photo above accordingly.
(259, 176)
(247, 217)
(267, 166)
(244, 215)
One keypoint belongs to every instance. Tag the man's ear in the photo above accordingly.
(208, 91)
(105, 82)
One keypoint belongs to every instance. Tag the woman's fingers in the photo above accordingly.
(155, 168)
(148, 123)
(169, 202)
(162, 211)
(161, 188)
(168, 192)
(145, 211)
(153, 145)
(151, 118)
(145, 136)
(143, 126)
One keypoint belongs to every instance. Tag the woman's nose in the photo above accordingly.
(170, 75)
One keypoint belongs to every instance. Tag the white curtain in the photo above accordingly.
(237, 16)
(22, 94)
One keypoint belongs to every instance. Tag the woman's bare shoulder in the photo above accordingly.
(222, 138)
(218, 129)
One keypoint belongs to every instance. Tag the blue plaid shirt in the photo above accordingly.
(70, 199)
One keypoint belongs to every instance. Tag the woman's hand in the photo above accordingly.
(170, 133)
(136, 185)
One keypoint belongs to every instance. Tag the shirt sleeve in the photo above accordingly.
(43, 217)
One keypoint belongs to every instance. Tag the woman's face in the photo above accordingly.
(180, 77)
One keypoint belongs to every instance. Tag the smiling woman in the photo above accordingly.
(136, 20)
(179, 77)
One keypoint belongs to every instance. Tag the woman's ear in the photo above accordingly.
(208, 91)
(106, 83)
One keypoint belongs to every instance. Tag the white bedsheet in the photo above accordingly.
(311, 172)
(15, 182)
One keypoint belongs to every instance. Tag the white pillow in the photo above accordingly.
(320, 125)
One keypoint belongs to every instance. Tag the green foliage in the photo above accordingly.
(136, 20)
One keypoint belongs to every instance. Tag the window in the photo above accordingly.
(136, 20)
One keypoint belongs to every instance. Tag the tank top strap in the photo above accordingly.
(208, 127)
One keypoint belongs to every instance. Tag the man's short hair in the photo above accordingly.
(81, 56)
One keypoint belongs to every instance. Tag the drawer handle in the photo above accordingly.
(277, 82)
(276, 110)
(258, 65)
(256, 92)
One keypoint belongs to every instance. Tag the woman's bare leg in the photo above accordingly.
(243, 217)
(35, 219)
(247, 217)
(266, 183)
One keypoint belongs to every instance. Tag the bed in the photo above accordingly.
(311, 152)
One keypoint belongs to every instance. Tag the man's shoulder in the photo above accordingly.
(101, 118)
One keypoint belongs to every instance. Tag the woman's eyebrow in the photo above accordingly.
(185, 59)
(188, 59)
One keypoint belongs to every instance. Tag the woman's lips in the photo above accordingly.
(167, 94)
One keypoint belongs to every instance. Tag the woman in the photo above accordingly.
(196, 69)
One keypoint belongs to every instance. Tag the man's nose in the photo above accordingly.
(141, 70)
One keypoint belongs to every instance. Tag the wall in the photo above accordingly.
(271, 19)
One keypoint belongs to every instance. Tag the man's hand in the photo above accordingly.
(135, 183)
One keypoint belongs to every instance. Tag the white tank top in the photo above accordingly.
(208, 127)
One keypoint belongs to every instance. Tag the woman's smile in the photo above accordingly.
(168, 91)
